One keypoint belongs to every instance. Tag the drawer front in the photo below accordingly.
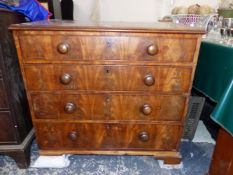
(7, 128)
(3, 96)
(151, 47)
(109, 78)
(108, 107)
(107, 136)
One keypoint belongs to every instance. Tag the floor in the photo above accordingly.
(196, 160)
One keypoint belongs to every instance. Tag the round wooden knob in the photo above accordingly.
(149, 80)
(73, 135)
(143, 136)
(65, 78)
(63, 48)
(69, 108)
(146, 109)
(152, 49)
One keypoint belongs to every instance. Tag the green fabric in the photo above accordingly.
(214, 78)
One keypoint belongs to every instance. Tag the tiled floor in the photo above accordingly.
(196, 159)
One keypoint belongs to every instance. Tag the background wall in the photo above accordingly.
(130, 10)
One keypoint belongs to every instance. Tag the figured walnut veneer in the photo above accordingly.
(101, 46)
(108, 77)
(103, 89)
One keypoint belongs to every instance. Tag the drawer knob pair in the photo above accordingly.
(65, 78)
(152, 49)
(70, 108)
(143, 136)
(149, 80)
(63, 48)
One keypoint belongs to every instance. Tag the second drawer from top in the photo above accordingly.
(108, 78)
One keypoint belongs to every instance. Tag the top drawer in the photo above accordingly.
(61, 46)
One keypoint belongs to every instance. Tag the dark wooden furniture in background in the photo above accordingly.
(67, 9)
(15, 124)
(112, 88)
(222, 161)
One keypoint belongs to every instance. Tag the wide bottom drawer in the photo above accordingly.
(106, 136)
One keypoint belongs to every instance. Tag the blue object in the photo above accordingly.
(33, 10)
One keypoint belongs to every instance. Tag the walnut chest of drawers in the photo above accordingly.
(108, 88)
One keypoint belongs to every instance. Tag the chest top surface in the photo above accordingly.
(158, 27)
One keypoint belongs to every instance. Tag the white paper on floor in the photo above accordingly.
(52, 162)
(202, 134)
(167, 166)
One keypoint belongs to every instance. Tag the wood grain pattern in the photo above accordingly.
(103, 91)
(222, 160)
(108, 106)
(170, 48)
(106, 136)
(111, 78)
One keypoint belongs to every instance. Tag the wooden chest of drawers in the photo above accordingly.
(103, 89)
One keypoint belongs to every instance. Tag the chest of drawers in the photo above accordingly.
(108, 88)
